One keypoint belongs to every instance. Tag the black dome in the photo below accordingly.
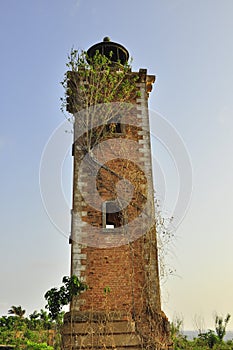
(119, 52)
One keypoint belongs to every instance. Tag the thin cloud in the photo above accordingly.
(225, 117)
(76, 6)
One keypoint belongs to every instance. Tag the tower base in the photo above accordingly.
(114, 330)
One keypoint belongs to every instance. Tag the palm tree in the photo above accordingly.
(221, 325)
(16, 311)
(44, 317)
(34, 316)
(33, 322)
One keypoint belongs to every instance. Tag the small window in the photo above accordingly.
(112, 215)
(119, 128)
(114, 128)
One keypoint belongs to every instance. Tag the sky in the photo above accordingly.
(188, 45)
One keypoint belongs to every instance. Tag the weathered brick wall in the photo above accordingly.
(113, 268)
(127, 271)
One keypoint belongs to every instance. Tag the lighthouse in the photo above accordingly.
(113, 228)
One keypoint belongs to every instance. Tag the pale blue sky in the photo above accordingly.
(188, 45)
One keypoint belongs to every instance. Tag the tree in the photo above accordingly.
(17, 311)
(208, 338)
(57, 298)
(45, 319)
(33, 321)
(91, 85)
(7, 322)
(34, 316)
(220, 326)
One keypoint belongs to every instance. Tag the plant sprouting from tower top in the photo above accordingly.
(93, 86)
(97, 80)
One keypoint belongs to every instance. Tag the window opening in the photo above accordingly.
(112, 215)
(114, 128)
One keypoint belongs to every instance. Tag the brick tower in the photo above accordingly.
(113, 233)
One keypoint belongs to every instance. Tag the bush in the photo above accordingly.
(35, 346)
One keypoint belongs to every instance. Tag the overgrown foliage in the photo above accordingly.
(92, 87)
(165, 237)
(33, 332)
(98, 80)
(17, 311)
(57, 298)
(220, 326)
(205, 340)
(40, 329)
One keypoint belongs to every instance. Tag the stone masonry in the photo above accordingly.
(113, 233)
